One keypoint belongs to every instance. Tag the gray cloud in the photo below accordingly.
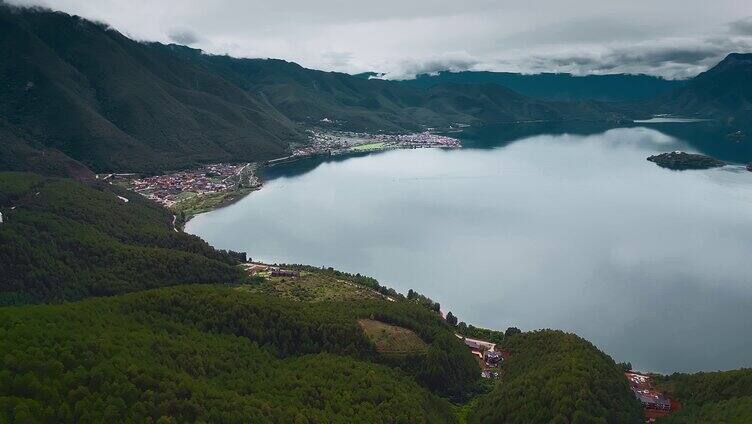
(742, 26)
(667, 58)
(432, 65)
(338, 60)
(671, 38)
(183, 36)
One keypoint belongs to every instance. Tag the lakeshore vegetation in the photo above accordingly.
(556, 377)
(719, 397)
(116, 316)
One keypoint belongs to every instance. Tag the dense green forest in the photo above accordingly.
(557, 377)
(718, 397)
(113, 103)
(560, 87)
(205, 354)
(64, 240)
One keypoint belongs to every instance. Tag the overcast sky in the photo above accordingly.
(672, 38)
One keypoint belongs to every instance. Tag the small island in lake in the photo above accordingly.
(680, 161)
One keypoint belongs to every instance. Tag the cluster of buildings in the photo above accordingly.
(427, 139)
(341, 142)
(488, 355)
(256, 268)
(167, 189)
(654, 402)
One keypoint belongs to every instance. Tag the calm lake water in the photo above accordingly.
(575, 232)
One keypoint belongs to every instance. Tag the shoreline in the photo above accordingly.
(230, 197)
(189, 193)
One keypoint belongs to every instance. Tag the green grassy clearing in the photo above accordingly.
(392, 340)
(313, 287)
(369, 146)
(197, 204)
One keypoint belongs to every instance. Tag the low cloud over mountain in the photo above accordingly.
(671, 38)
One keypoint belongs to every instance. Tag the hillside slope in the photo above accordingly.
(556, 377)
(114, 104)
(200, 354)
(19, 152)
(357, 103)
(719, 397)
(724, 92)
(63, 240)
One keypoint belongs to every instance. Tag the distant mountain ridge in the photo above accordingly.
(559, 87)
(722, 92)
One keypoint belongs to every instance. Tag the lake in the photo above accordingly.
(568, 230)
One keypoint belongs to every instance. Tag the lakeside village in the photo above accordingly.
(170, 189)
(335, 143)
(212, 185)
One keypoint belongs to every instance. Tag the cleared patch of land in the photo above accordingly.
(312, 287)
(369, 146)
(392, 340)
(191, 204)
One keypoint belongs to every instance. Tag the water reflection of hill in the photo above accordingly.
(302, 166)
(498, 135)
(711, 138)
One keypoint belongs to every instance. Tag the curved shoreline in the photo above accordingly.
(230, 197)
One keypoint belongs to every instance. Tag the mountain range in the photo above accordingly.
(78, 95)
(559, 87)
(723, 92)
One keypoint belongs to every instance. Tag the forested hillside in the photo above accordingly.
(556, 377)
(559, 87)
(355, 103)
(718, 397)
(115, 104)
(202, 354)
(19, 152)
(722, 92)
(63, 240)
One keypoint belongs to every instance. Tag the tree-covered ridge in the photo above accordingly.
(446, 368)
(198, 354)
(64, 240)
(557, 377)
(113, 103)
(719, 397)
(559, 87)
